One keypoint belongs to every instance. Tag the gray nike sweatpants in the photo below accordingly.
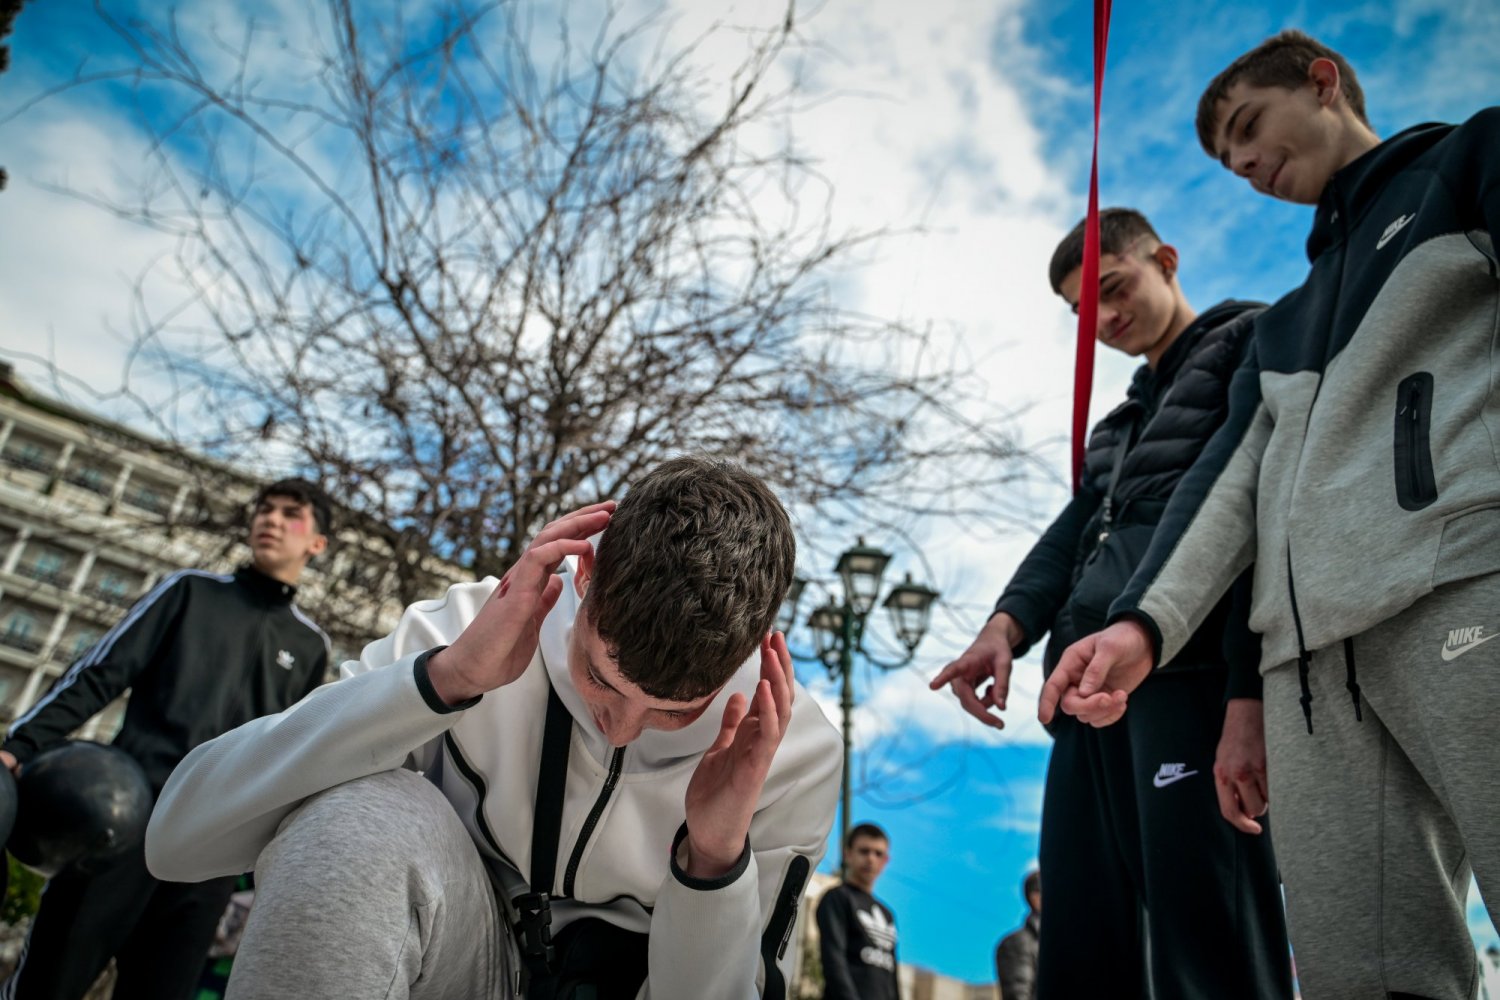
(372, 889)
(1379, 822)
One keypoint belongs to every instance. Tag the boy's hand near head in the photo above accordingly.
(725, 789)
(499, 643)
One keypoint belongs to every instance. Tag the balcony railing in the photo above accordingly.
(151, 503)
(30, 462)
(111, 595)
(16, 640)
(87, 479)
(55, 577)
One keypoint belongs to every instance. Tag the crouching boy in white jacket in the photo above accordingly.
(684, 794)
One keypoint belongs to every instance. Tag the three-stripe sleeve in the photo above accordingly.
(103, 673)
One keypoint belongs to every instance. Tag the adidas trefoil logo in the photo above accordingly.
(285, 659)
(1461, 640)
(880, 930)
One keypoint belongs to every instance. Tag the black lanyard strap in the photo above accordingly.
(534, 908)
(551, 786)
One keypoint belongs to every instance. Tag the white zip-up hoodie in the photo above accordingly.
(722, 939)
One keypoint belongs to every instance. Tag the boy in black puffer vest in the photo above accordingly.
(1135, 856)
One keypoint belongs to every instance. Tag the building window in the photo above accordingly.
(143, 496)
(113, 587)
(20, 632)
(29, 455)
(88, 477)
(47, 567)
(82, 643)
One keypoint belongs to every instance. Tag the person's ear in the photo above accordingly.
(318, 545)
(584, 573)
(1166, 259)
(1323, 74)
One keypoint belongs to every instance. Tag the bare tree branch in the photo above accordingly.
(469, 290)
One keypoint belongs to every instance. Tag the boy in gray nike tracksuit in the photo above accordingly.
(1359, 469)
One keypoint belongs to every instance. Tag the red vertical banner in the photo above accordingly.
(1088, 290)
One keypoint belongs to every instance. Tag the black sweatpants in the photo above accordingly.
(1146, 890)
(157, 932)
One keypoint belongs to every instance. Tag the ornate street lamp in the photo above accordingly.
(861, 569)
(828, 624)
(838, 630)
(787, 616)
(910, 605)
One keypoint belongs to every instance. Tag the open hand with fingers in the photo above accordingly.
(1096, 674)
(980, 677)
(725, 789)
(499, 643)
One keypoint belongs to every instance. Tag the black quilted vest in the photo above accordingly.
(1167, 417)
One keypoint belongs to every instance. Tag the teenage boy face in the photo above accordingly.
(284, 534)
(1286, 143)
(1136, 302)
(865, 860)
(620, 710)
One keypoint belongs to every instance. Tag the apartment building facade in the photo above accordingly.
(92, 515)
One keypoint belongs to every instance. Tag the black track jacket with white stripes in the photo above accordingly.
(201, 654)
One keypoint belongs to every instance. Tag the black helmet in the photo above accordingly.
(79, 805)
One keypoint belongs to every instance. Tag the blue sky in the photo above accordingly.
(966, 124)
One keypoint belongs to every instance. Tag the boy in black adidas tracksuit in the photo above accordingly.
(1135, 853)
(856, 931)
(201, 653)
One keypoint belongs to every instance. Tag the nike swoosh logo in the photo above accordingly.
(1161, 782)
(1454, 652)
(1390, 233)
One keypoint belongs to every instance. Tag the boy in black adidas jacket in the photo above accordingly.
(1359, 470)
(1132, 843)
(201, 653)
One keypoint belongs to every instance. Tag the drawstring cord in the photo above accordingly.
(1350, 683)
(1303, 659)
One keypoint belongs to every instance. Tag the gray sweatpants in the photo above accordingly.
(1379, 822)
(372, 889)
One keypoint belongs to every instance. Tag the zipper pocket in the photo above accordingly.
(1416, 486)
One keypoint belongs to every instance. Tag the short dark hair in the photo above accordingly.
(1031, 883)
(689, 576)
(1118, 229)
(307, 493)
(865, 830)
(1280, 61)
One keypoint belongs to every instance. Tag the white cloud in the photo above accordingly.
(1023, 809)
(70, 266)
(907, 114)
